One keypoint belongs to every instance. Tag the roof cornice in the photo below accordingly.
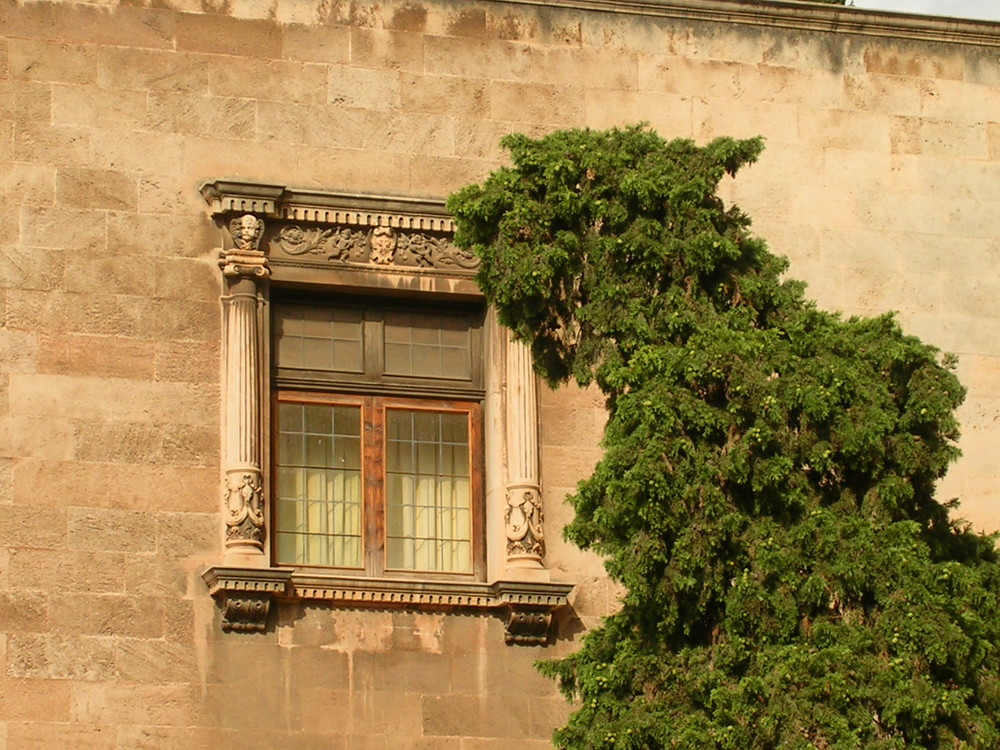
(804, 16)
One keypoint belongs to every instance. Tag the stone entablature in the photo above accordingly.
(315, 229)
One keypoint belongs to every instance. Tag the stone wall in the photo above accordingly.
(879, 183)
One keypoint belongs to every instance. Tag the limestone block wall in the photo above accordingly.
(879, 183)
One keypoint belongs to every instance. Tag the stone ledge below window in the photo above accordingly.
(246, 594)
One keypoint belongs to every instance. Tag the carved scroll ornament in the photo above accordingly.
(244, 502)
(523, 523)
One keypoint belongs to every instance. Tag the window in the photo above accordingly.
(378, 437)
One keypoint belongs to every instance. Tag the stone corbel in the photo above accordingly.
(246, 595)
(527, 627)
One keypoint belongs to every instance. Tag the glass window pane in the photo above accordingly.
(347, 421)
(433, 345)
(319, 502)
(290, 448)
(317, 354)
(289, 352)
(318, 418)
(426, 425)
(290, 483)
(319, 338)
(456, 363)
(290, 417)
(397, 359)
(428, 498)
(426, 360)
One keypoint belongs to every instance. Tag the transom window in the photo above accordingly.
(378, 438)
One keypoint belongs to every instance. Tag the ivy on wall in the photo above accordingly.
(767, 493)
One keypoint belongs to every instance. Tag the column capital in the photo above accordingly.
(245, 258)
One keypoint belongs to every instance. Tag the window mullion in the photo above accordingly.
(373, 413)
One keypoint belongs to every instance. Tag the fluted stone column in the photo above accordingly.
(243, 266)
(523, 512)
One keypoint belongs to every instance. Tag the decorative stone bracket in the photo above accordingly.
(246, 595)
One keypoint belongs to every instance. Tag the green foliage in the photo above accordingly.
(767, 492)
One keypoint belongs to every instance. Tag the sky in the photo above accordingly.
(982, 9)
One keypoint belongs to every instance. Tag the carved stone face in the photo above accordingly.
(246, 231)
(383, 243)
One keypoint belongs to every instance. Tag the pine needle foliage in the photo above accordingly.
(767, 492)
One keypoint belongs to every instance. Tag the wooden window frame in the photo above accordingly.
(374, 394)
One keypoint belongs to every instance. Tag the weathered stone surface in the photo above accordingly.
(37, 60)
(23, 611)
(78, 354)
(129, 617)
(322, 44)
(27, 735)
(68, 571)
(41, 143)
(226, 117)
(40, 528)
(56, 657)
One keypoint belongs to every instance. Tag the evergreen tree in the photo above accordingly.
(767, 492)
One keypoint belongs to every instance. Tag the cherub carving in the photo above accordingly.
(246, 231)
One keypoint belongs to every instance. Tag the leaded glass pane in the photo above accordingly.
(319, 485)
(428, 491)
(319, 338)
(428, 345)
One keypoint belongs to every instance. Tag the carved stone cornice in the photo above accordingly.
(797, 16)
(246, 594)
(312, 228)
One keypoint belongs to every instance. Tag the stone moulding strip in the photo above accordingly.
(796, 16)
(247, 593)
(351, 209)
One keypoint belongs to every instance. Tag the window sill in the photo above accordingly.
(246, 595)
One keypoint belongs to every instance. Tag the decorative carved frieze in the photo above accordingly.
(381, 246)
(341, 229)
